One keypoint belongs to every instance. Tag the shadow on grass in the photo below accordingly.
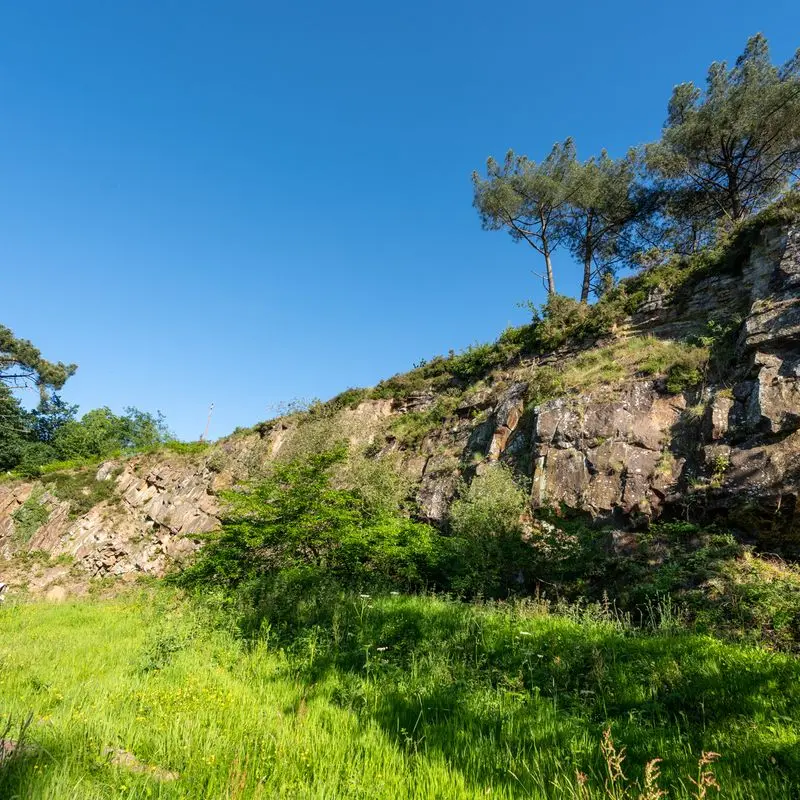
(508, 696)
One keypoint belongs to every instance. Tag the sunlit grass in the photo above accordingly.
(399, 698)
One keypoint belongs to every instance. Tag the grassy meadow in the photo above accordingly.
(150, 695)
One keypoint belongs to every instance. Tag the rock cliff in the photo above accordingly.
(612, 436)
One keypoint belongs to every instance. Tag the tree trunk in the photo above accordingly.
(587, 261)
(734, 198)
(587, 274)
(737, 212)
(551, 284)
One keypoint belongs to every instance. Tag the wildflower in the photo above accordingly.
(364, 596)
(381, 649)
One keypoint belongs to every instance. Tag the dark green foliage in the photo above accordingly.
(294, 539)
(724, 155)
(720, 585)
(296, 529)
(30, 441)
(100, 433)
(34, 457)
(732, 149)
(704, 577)
(603, 200)
(560, 320)
(50, 416)
(492, 559)
(590, 207)
(681, 377)
(23, 443)
(12, 430)
(21, 365)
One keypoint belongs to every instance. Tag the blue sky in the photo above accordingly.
(250, 202)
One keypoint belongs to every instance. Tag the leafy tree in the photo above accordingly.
(12, 430)
(145, 429)
(602, 203)
(100, 433)
(729, 150)
(486, 523)
(22, 365)
(49, 416)
(527, 199)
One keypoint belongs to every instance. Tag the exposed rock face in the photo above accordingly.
(626, 450)
(762, 483)
(152, 520)
(602, 455)
(638, 451)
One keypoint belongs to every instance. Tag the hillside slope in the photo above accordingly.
(675, 396)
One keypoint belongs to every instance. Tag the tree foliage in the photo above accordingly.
(724, 153)
(100, 433)
(486, 523)
(527, 199)
(22, 365)
(603, 202)
(51, 432)
(12, 430)
(731, 149)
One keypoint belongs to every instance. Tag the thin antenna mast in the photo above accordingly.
(208, 422)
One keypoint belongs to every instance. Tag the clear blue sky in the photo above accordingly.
(250, 202)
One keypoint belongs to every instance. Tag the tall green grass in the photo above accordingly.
(386, 697)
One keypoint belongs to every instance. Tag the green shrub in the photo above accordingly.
(683, 376)
(381, 484)
(185, 448)
(544, 383)
(295, 528)
(486, 523)
(30, 516)
(349, 398)
(476, 361)
(412, 427)
(80, 488)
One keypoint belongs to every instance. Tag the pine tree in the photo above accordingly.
(527, 199)
(728, 151)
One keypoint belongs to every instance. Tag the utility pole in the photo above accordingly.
(208, 422)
